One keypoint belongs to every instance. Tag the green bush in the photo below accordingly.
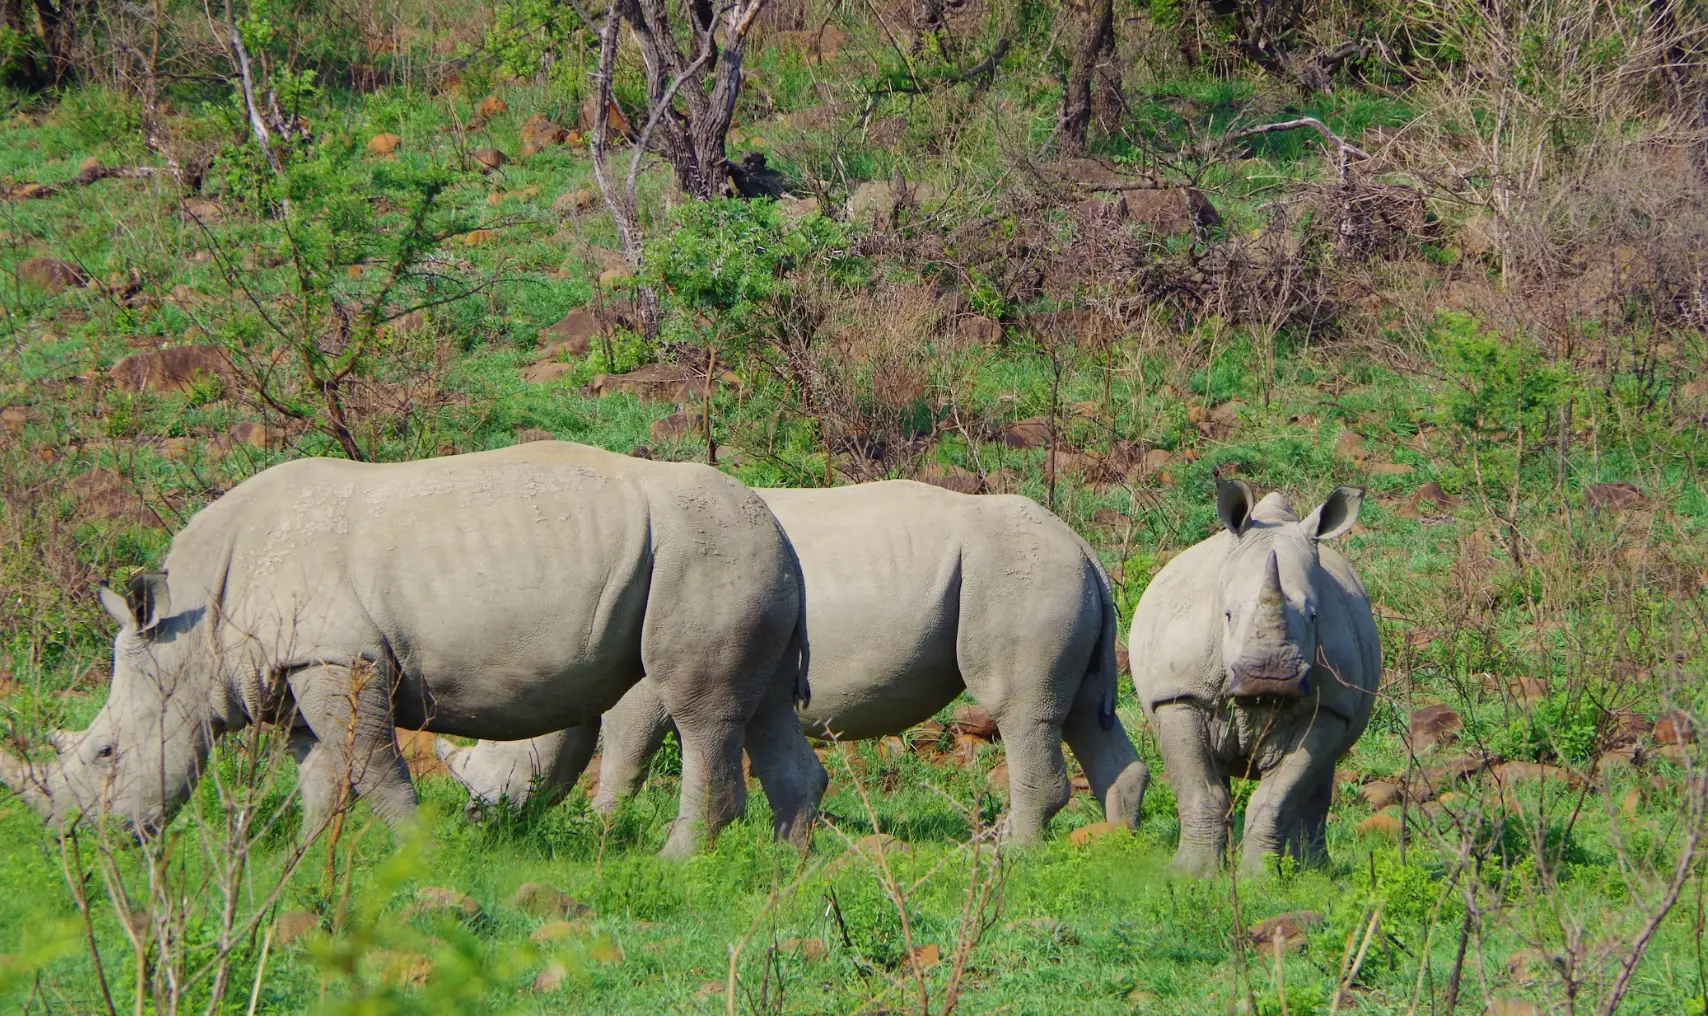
(1553, 730)
(734, 262)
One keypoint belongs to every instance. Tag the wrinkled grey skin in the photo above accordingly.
(499, 594)
(913, 594)
(1255, 654)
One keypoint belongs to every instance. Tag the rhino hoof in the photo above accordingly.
(475, 811)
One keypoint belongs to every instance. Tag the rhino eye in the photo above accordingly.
(105, 752)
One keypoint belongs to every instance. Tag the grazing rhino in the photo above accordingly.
(913, 594)
(497, 594)
(1254, 654)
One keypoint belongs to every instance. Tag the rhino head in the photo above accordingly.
(139, 760)
(1269, 587)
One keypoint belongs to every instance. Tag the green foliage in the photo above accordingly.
(735, 262)
(1499, 384)
(1301, 1000)
(531, 37)
(1554, 729)
(1411, 891)
(97, 117)
(18, 51)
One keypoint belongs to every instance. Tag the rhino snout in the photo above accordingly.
(1269, 678)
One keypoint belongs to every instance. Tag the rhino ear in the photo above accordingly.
(1336, 515)
(144, 605)
(1234, 501)
(116, 606)
(148, 600)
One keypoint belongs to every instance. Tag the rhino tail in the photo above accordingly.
(799, 652)
(1104, 668)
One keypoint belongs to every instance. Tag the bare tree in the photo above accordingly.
(58, 38)
(690, 103)
(687, 125)
(1096, 48)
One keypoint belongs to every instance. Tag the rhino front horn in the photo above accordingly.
(28, 782)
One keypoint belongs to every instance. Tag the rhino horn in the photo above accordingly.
(28, 781)
(1269, 596)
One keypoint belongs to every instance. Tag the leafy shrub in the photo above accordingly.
(1500, 385)
(1553, 730)
(730, 261)
(533, 37)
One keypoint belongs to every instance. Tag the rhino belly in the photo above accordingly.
(878, 668)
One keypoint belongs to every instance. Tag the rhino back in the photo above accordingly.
(506, 584)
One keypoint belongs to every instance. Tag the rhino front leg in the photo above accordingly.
(519, 771)
(1313, 824)
(1200, 789)
(1289, 794)
(1117, 775)
(350, 747)
(634, 731)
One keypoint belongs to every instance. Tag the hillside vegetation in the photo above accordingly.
(1452, 251)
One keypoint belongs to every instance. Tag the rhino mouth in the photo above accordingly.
(1269, 682)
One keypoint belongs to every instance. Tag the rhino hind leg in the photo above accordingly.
(1037, 775)
(1200, 788)
(634, 731)
(1117, 775)
(713, 791)
(349, 749)
(793, 778)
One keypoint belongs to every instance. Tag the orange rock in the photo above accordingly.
(810, 949)
(294, 926)
(1290, 930)
(400, 969)
(975, 721)
(50, 274)
(437, 899)
(490, 107)
(551, 978)
(417, 749)
(384, 144)
(1384, 825)
(1674, 728)
(545, 371)
(104, 494)
(1094, 832)
(1381, 794)
(710, 989)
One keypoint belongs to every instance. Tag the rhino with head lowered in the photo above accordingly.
(1254, 653)
(495, 594)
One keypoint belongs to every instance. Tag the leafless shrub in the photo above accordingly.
(873, 380)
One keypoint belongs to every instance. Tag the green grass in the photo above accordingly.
(1606, 604)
